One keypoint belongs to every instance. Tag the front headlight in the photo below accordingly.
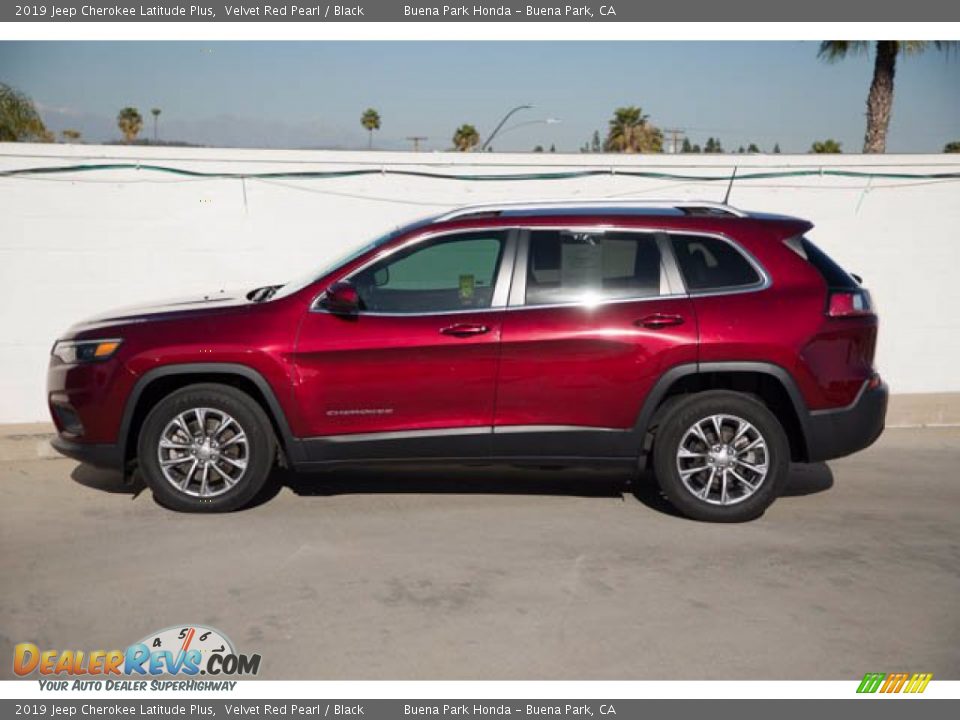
(84, 351)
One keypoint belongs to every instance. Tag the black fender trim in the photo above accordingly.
(291, 445)
(663, 385)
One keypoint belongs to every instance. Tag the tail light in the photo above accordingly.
(849, 303)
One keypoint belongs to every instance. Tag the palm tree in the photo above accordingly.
(19, 119)
(130, 123)
(156, 114)
(880, 98)
(826, 147)
(630, 132)
(466, 138)
(371, 121)
(952, 147)
(70, 135)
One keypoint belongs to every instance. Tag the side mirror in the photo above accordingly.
(341, 298)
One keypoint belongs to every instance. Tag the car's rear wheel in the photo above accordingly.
(206, 448)
(721, 456)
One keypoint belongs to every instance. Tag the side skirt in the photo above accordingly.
(536, 445)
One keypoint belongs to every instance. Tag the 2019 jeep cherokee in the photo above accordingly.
(715, 345)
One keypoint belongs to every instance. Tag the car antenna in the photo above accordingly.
(726, 197)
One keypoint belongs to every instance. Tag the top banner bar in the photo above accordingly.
(480, 11)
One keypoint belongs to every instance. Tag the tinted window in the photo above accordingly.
(834, 275)
(712, 264)
(451, 273)
(567, 266)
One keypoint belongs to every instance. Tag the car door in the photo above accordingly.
(413, 372)
(595, 317)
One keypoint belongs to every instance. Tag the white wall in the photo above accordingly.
(76, 244)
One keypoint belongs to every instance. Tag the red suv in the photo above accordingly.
(713, 345)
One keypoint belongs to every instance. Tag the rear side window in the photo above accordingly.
(834, 275)
(709, 263)
(571, 266)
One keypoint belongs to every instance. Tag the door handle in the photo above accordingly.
(465, 329)
(659, 320)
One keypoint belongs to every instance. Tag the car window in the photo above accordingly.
(449, 273)
(709, 263)
(569, 266)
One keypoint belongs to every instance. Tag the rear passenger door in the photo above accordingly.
(594, 318)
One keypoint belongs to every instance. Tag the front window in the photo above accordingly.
(445, 274)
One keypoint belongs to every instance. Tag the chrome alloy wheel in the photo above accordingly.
(203, 452)
(722, 459)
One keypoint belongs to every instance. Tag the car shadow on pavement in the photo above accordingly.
(487, 479)
(110, 481)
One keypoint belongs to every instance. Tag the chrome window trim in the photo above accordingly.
(519, 234)
(504, 273)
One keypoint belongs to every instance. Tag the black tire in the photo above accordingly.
(260, 447)
(674, 427)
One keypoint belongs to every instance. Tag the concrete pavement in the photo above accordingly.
(499, 574)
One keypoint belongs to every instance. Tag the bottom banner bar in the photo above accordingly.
(451, 710)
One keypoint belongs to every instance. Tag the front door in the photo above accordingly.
(595, 318)
(413, 373)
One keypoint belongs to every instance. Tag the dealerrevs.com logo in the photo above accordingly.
(181, 650)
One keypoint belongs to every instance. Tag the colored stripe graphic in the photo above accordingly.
(894, 682)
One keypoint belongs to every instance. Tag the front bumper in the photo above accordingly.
(835, 433)
(97, 454)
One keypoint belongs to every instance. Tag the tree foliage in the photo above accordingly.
(466, 138)
(19, 119)
(370, 121)
(826, 147)
(631, 132)
(130, 122)
(880, 97)
(713, 145)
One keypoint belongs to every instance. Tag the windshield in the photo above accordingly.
(316, 273)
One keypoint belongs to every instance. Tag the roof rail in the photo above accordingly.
(556, 206)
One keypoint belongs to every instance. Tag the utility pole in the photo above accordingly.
(416, 140)
(675, 134)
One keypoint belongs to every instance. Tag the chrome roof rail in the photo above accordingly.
(556, 207)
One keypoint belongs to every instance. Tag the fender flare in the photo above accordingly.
(675, 373)
(290, 443)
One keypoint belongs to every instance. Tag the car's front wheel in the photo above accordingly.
(721, 456)
(206, 448)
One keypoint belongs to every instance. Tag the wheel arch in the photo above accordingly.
(160, 382)
(771, 384)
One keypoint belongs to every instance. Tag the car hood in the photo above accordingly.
(163, 310)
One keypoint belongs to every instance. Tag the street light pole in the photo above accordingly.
(500, 124)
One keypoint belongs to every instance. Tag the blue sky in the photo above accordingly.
(311, 94)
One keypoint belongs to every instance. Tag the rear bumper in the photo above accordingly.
(835, 433)
(97, 454)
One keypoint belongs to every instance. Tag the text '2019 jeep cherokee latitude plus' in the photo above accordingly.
(715, 345)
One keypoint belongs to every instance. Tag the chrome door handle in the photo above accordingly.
(659, 320)
(465, 329)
